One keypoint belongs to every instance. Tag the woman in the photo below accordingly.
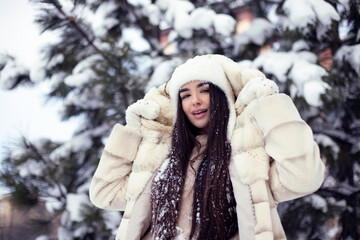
(237, 148)
(196, 182)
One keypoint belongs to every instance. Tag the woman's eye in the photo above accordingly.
(185, 96)
(205, 91)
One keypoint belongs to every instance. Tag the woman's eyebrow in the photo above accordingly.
(202, 84)
(183, 90)
(198, 86)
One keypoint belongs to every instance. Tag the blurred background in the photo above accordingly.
(70, 68)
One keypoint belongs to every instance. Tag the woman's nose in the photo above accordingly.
(196, 100)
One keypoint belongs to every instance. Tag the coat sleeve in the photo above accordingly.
(297, 169)
(109, 184)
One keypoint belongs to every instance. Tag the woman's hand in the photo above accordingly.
(257, 87)
(142, 108)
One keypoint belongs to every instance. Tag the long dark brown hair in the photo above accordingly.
(214, 213)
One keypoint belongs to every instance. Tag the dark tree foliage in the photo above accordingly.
(97, 70)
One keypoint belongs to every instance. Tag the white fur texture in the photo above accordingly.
(254, 88)
(123, 135)
(266, 236)
(155, 143)
(232, 70)
(137, 181)
(257, 87)
(248, 74)
(252, 165)
(121, 233)
(259, 192)
(141, 108)
(159, 96)
(263, 216)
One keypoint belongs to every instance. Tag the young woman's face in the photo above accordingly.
(195, 101)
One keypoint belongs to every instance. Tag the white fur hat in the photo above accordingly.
(206, 69)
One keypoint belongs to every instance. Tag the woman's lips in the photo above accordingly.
(199, 113)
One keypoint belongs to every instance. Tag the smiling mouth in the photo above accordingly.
(200, 113)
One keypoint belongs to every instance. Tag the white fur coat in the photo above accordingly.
(274, 158)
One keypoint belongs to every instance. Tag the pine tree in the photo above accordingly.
(332, 212)
(110, 52)
(97, 77)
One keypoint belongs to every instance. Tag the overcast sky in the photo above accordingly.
(22, 112)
